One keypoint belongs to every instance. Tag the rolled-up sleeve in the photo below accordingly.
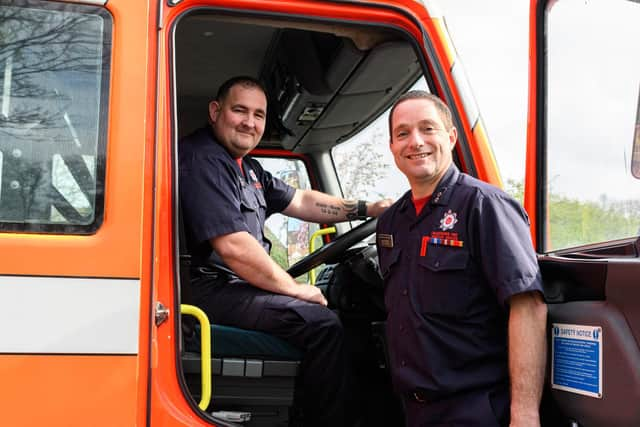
(507, 256)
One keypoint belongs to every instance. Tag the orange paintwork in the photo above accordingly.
(115, 250)
(483, 156)
(98, 390)
(42, 390)
(530, 182)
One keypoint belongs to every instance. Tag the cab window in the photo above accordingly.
(365, 165)
(290, 237)
(593, 74)
(54, 71)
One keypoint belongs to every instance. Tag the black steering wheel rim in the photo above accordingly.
(330, 251)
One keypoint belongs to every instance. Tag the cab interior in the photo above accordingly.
(324, 84)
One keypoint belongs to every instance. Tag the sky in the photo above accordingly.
(592, 82)
(491, 38)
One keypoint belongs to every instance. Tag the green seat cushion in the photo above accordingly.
(227, 341)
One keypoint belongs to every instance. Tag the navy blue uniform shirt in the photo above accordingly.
(217, 198)
(449, 273)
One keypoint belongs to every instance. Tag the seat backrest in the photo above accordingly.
(188, 323)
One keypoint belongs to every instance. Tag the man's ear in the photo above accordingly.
(214, 110)
(453, 137)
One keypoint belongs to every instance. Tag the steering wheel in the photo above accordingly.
(332, 250)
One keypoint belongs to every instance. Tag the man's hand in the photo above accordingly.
(311, 294)
(375, 209)
(248, 259)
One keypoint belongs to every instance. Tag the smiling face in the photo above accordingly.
(421, 144)
(238, 120)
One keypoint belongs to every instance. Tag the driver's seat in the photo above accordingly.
(252, 372)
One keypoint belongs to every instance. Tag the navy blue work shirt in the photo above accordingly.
(217, 198)
(449, 273)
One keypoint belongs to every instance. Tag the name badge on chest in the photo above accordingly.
(385, 240)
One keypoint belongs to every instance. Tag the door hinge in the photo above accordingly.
(162, 313)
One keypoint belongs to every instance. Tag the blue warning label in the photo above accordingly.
(577, 359)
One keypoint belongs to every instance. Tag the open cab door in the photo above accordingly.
(583, 197)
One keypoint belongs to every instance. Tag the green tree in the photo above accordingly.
(573, 222)
(515, 189)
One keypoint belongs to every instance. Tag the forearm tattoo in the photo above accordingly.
(351, 209)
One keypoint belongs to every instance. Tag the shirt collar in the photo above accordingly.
(443, 191)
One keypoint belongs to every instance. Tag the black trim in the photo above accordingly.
(568, 279)
(541, 125)
(151, 314)
(175, 192)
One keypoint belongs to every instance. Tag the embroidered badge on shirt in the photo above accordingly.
(254, 178)
(448, 220)
(385, 240)
(437, 197)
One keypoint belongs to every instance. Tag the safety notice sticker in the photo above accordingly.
(576, 364)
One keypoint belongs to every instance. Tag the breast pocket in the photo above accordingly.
(254, 207)
(444, 286)
(251, 198)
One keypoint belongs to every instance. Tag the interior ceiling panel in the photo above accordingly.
(198, 44)
(322, 86)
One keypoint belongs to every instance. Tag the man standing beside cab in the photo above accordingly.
(226, 197)
(463, 291)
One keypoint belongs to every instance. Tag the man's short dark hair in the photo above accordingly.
(246, 81)
(443, 110)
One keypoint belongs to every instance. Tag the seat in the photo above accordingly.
(251, 371)
(234, 342)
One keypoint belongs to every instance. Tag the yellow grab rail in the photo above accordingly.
(205, 351)
(312, 248)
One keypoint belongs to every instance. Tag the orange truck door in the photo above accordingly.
(583, 196)
(75, 212)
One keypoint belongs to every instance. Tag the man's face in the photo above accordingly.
(421, 144)
(239, 119)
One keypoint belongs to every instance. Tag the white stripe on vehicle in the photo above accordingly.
(69, 315)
